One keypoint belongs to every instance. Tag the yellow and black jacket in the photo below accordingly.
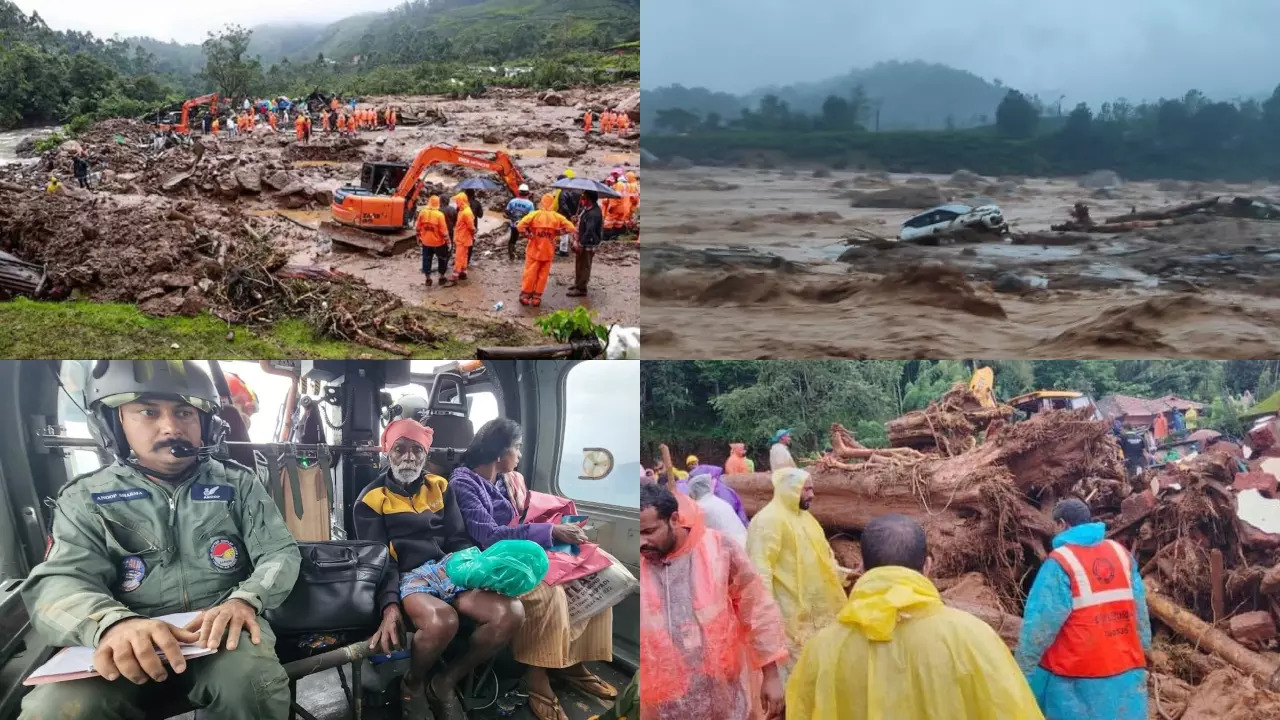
(418, 522)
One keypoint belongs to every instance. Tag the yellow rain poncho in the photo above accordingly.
(788, 547)
(897, 652)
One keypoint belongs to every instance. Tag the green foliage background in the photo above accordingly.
(446, 46)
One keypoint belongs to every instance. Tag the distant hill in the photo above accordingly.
(441, 30)
(911, 96)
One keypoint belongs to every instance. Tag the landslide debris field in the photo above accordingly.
(983, 489)
(787, 263)
(232, 225)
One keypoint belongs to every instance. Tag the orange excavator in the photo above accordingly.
(182, 127)
(378, 214)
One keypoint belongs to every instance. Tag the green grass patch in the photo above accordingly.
(77, 329)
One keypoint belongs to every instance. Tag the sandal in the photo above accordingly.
(591, 684)
(536, 301)
(445, 708)
(413, 704)
(546, 708)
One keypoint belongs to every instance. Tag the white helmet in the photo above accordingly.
(524, 188)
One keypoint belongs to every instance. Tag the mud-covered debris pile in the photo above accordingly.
(118, 144)
(338, 150)
(949, 425)
(170, 257)
(1212, 577)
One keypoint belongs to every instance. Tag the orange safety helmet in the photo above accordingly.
(241, 396)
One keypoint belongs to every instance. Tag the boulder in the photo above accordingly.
(631, 106)
(320, 196)
(228, 185)
(965, 178)
(277, 180)
(906, 197)
(492, 137)
(1253, 627)
(26, 147)
(71, 147)
(1010, 283)
(571, 149)
(248, 179)
(553, 98)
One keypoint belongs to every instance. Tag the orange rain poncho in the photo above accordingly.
(300, 126)
(633, 184)
(791, 552)
(430, 226)
(737, 462)
(464, 234)
(542, 227)
(707, 628)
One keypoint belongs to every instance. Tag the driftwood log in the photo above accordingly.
(1167, 213)
(1202, 635)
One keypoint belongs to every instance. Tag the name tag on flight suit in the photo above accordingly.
(212, 492)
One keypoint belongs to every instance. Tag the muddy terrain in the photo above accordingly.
(786, 263)
(170, 225)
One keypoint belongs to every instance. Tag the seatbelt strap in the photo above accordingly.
(295, 484)
(325, 484)
(276, 483)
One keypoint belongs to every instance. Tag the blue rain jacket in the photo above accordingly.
(1119, 697)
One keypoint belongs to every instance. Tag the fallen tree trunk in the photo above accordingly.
(1166, 213)
(1201, 634)
(581, 349)
(1009, 627)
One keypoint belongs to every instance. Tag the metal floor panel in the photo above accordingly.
(321, 695)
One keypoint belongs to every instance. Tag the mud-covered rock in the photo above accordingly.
(277, 180)
(552, 98)
(248, 179)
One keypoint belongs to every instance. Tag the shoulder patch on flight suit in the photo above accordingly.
(223, 553)
(212, 492)
(114, 496)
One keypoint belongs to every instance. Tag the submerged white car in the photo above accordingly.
(947, 219)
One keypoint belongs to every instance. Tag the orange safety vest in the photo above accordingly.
(1100, 637)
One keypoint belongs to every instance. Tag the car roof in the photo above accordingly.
(953, 207)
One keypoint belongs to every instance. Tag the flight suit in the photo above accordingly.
(125, 546)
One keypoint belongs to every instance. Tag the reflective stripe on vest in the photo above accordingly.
(1100, 637)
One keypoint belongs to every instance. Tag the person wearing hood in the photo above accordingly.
(780, 453)
(464, 236)
(541, 227)
(590, 234)
(493, 498)
(1086, 626)
(477, 207)
(790, 551)
(568, 204)
(711, 638)
(718, 486)
(433, 235)
(719, 514)
(586, 122)
(895, 651)
(418, 517)
(737, 464)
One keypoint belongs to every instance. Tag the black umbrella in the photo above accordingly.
(586, 184)
(477, 183)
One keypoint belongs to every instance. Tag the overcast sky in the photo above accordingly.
(1090, 50)
(186, 22)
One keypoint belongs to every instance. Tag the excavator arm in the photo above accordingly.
(500, 164)
(211, 98)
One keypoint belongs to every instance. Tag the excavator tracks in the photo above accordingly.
(353, 239)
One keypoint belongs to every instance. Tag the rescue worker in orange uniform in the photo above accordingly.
(586, 122)
(606, 122)
(1086, 625)
(214, 127)
(633, 185)
(243, 398)
(271, 120)
(616, 211)
(391, 119)
(351, 124)
(300, 126)
(464, 236)
(324, 121)
(433, 235)
(542, 227)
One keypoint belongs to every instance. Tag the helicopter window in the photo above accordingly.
(599, 456)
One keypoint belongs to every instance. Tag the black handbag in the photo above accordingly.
(337, 588)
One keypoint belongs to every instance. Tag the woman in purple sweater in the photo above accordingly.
(484, 487)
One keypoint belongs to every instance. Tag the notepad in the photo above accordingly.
(76, 663)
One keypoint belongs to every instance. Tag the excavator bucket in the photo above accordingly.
(345, 237)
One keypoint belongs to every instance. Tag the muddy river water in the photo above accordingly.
(776, 263)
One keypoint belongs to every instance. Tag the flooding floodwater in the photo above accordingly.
(748, 263)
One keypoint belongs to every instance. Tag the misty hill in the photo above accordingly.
(910, 95)
(440, 31)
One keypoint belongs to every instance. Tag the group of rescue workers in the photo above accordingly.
(575, 219)
(262, 115)
(754, 618)
(611, 122)
(167, 527)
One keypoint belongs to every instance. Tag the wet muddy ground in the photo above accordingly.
(779, 264)
(269, 185)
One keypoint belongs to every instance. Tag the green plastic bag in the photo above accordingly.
(508, 567)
